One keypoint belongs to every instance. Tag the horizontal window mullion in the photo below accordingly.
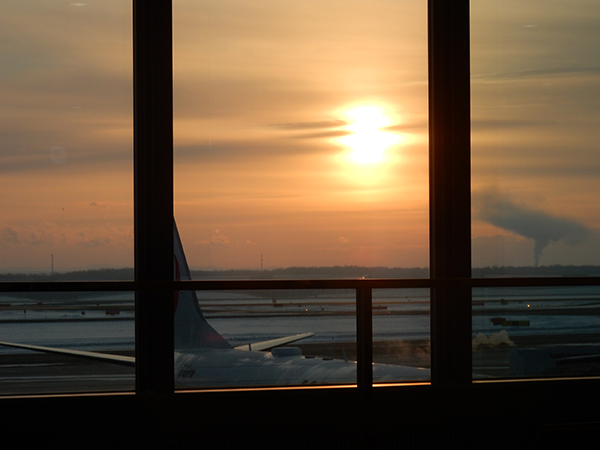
(223, 285)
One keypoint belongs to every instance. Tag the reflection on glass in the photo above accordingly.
(301, 133)
(534, 133)
(96, 323)
(536, 332)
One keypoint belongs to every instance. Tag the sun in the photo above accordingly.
(368, 140)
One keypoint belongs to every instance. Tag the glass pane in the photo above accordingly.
(95, 322)
(234, 333)
(66, 136)
(301, 152)
(240, 330)
(301, 133)
(536, 332)
(66, 186)
(401, 344)
(535, 111)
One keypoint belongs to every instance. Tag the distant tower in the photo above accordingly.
(52, 264)
(261, 262)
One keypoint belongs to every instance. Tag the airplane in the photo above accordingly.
(204, 359)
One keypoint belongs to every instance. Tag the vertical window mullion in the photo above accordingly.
(450, 189)
(364, 339)
(153, 192)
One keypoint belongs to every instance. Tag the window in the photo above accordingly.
(301, 153)
(534, 149)
(450, 281)
(66, 189)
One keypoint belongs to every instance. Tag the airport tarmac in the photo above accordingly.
(401, 334)
(42, 373)
(39, 373)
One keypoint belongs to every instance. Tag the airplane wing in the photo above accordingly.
(267, 345)
(130, 360)
(116, 359)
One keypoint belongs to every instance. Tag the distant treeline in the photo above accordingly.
(125, 274)
(312, 273)
(334, 272)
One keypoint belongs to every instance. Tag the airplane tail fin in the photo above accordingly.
(192, 331)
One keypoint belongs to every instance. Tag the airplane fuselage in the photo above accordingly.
(237, 368)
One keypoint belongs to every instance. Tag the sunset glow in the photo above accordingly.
(301, 133)
(368, 142)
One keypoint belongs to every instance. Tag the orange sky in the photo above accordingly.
(266, 130)
(263, 100)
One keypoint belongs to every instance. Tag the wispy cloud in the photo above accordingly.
(9, 236)
(324, 124)
(217, 238)
(314, 130)
(62, 234)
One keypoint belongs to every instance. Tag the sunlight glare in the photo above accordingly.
(367, 142)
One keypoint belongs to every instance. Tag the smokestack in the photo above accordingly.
(501, 211)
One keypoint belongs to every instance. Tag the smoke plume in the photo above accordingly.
(503, 212)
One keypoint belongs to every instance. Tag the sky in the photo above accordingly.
(535, 70)
(300, 133)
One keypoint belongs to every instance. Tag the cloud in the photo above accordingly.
(48, 233)
(325, 124)
(421, 126)
(323, 134)
(58, 155)
(318, 130)
(9, 236)
(67, 80)
(217, 238)
(95, 243)
(332, 128)
(536, 73)
(503, 212)
(502, 124)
